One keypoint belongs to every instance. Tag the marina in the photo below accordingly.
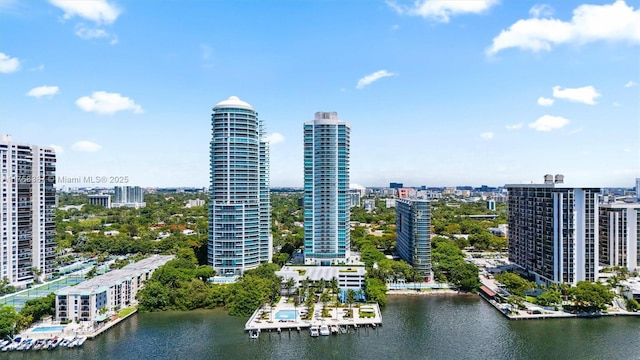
(285, 316)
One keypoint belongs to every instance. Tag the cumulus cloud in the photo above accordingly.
(85, 146)
(585, 94)
(442, 10)
(102, 102)
(487, 135)
(548, 123)
(543, 101)
(631, 83)
(57, 148)
(8, 64)
(541, 10)
(98, 11)
(611, 22)
(86, 33)
(514, 126)
(45, 90)
(274, 138)
(368, 79)
(38, 68)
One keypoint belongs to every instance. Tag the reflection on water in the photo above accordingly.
(416, 327)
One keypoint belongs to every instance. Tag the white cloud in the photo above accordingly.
(57, 148)
(612, 22)
(103, 102)
(442, 10)
(85, 146)
(577, 130)
(395, 27)
(543, 101)
(98, 11)
(274, 138)
(373, 77)
(616, 104)
(38, 68)
(541, 10)
(45, 90)
(631, 83)
(8, 64)
(548, 123)
(514, 126)
(585, 94)
(86, 33)
(487, 135)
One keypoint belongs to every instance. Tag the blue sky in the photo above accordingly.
(438, 93)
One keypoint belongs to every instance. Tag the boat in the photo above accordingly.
(343, 329)
(334, 329)
(324, 330)
(74, 342)
(314, 331)
(254, 333)
(81, 340)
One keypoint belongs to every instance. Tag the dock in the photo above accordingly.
(287, 317)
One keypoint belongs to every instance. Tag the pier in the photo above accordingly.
(287, 317)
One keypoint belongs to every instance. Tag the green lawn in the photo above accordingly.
(126, 311)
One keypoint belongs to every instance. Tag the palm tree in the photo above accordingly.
(289, 285)
(351, 297)
(324, 299)
(334, 285)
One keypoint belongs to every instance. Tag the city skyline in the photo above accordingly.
(437, 93)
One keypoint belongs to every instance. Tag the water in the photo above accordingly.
(417, 327)
(48, 329)
(286, 315)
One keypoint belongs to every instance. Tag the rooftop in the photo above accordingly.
(233, 102)
(103, 282)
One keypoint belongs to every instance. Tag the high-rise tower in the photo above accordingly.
(326, 190)
(553, 230)
(239, 208)
(27, 228)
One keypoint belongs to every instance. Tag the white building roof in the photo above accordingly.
(233, 102)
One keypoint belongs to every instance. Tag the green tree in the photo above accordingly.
(590, 296)
(204, 272)
(351, 297)
(514, 283)
(549, 297)
(8, 320)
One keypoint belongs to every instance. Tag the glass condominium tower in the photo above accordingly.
(326, 190)
(239, 207)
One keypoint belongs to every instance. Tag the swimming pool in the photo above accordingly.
(286, 315)
(41, 329)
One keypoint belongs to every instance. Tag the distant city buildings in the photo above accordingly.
(491, 205)
(389, 203)
(553, 230)
(394, 185)
(128, 196)
(27, 198)
(326, 187)
(413, 234)
(406, 192)
(194, 203)
(638, 189)
(100, 200)
(239, 206)
(619, 231)
(369, 205)
(354, 198)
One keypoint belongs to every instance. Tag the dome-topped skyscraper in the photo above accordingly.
(239, 208)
